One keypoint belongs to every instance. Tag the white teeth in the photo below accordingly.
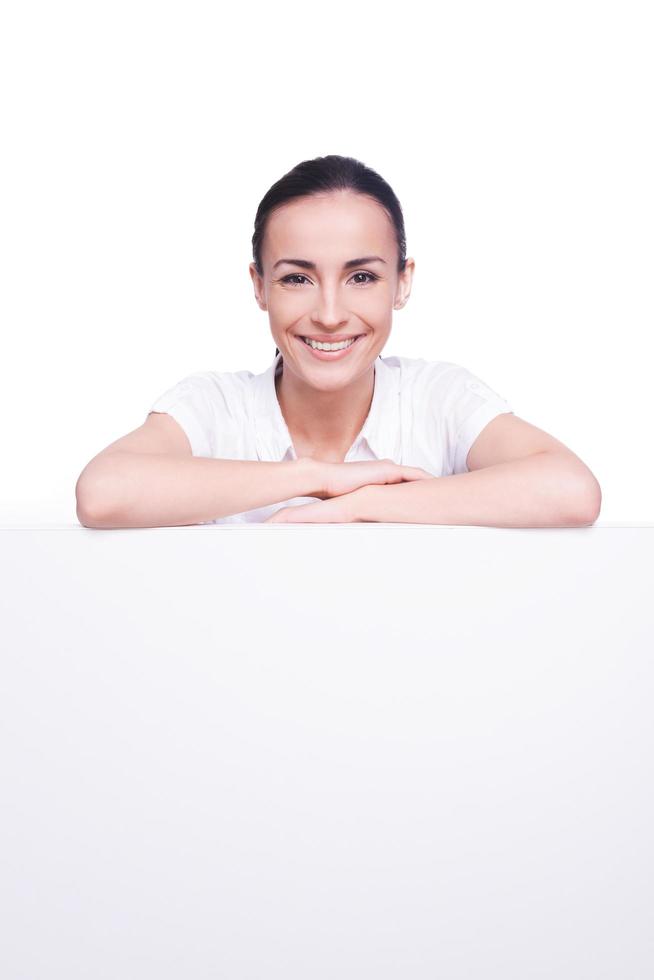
(318, 346)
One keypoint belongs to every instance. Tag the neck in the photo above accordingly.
(323, 423)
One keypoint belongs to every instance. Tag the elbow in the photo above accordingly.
(590, 503)
(88, 515)
(87, 518)
(90, 509)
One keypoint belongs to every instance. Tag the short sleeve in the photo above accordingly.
(190, 404)
(475, 406)
(470, 404)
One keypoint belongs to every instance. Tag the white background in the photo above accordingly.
(139, 138)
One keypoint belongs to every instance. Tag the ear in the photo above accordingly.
(405, 280)
(257, 282)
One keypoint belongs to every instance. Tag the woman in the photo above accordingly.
(379, 439)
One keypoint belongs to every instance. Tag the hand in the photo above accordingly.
(337, 510)
(336, 479)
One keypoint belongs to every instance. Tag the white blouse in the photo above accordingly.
(423, 413)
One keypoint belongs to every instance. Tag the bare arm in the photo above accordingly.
(546, 489)
(129, 489)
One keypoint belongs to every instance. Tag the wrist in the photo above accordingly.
(313, 476)
(360, 503)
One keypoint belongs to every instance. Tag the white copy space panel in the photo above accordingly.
(388, 751)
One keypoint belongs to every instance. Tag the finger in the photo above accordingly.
(414, 473)
(300, 514)
(278, 517)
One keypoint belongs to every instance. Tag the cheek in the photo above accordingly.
(287, 304)
(375, 306)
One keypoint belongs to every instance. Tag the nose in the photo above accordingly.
(329, 311)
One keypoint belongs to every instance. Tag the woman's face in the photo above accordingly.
(330, 273)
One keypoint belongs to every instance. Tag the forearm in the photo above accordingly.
(125, 489)
(543, 490)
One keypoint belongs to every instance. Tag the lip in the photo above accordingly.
(329, 355)
(330, 338)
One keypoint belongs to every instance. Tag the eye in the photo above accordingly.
(370, 274)
(295, 275)
(298, 275)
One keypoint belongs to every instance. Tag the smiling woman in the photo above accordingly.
(325, 177)
(347, 433)
(329, 267)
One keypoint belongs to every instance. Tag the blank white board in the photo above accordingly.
(327, 751)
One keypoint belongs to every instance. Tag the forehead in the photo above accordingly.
(329, 225)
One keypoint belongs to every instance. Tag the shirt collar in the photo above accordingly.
(381, 429)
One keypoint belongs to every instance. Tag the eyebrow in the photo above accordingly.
(304, 264)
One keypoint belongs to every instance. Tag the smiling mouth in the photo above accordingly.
(325, 346)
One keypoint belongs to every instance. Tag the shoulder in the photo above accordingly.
(212, 387)
(431, 379)
(447, 390)
(211, 407)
